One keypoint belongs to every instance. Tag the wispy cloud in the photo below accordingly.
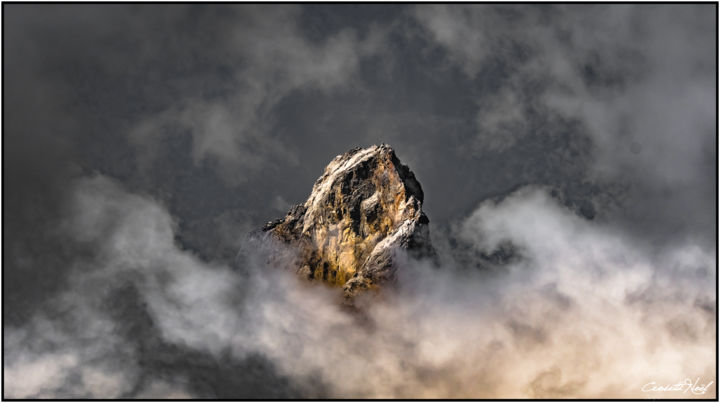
(583, 313)
(640, 81)
(267, 57)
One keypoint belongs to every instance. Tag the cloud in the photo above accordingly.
(66, 354)
(268, 58)
(640, 81)
(96, 338)
(500, 122)
(583, 313)
(180, 103)
(126, 287)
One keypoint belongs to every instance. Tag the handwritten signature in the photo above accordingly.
(695, 388)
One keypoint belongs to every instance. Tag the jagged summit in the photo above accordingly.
(365, 206)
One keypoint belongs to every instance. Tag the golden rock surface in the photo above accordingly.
(363, 208)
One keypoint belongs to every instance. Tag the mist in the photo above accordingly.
(581, 313)
(567, 154)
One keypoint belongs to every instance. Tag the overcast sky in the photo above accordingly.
(199, 123)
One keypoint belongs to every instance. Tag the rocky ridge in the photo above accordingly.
(365, 207)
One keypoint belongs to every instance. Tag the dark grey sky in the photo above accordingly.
(225, 115)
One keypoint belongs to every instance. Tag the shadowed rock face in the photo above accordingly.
(364, 207)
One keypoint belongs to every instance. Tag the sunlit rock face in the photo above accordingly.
(362, 210)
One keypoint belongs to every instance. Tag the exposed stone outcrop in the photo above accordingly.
(364, 207)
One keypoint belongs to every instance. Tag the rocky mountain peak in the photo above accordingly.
(363, 208)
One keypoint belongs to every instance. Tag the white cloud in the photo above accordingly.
(585, 312)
